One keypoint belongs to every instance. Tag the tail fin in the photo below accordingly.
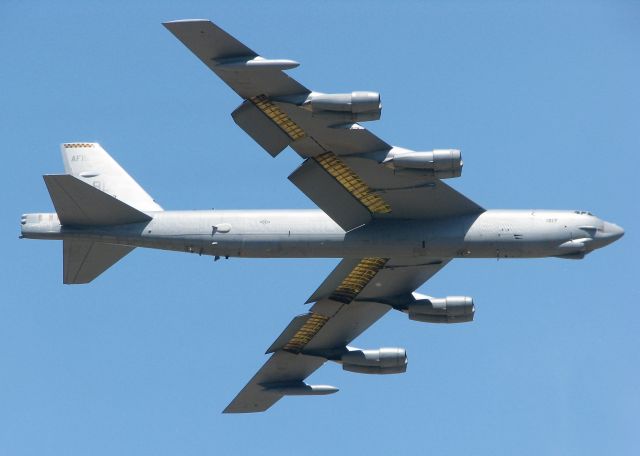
(78, 203)
(95, 191)
(90, 163)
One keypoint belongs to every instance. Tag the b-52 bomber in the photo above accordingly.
(384, 210)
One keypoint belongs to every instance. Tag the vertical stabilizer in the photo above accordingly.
(90, 163)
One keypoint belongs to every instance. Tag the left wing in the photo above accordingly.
(353, 297)
(344, 171)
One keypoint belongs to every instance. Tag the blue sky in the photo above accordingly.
(542, 98)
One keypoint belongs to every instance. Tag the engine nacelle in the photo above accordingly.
(441, 163)
(345, 107)
(452, 309)
(381, 361)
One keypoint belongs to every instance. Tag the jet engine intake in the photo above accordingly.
(381, 361)
(452, 309)
(440, 163)
(345, 107)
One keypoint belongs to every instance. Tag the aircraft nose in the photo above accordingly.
(613, 231)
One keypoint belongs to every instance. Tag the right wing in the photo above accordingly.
(354, 296)
(343, 171)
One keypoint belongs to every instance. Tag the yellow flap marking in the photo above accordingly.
(352, 183)
(278, 117)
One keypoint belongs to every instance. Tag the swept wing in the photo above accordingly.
(342, 173)
(354, 296)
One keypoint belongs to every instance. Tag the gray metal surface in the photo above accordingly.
(296, 324)
(260, 128)
(282, 366)
(397, 277)
(409, 196)
(91, 164)
(78, 203)
(212, 46)
(345, 321)
(402, 276)
(83, 261)
(392, 229)
(404, 254)
(346, 324)
(329, 195)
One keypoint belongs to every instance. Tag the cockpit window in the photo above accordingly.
(583, 213)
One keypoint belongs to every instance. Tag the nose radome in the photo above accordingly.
(613, 230)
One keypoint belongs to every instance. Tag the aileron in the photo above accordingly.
(213, 46)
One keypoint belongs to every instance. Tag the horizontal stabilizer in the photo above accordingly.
(78, 203)
(86, 260)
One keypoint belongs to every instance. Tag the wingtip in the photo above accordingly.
(178, 21)
(235, 410)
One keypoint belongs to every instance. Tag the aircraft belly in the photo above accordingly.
(319, 247)
(292, 235)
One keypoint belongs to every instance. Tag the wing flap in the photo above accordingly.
(296, 324)
(394, 278)
(263, 131)
(400, 275)
(333, 280)
(345, 325)
(329, 195)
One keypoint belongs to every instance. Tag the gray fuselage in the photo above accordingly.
(311, 233)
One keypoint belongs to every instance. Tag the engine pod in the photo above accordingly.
(381, 361)
(440, 163)
(344, 107)
(452, 309)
